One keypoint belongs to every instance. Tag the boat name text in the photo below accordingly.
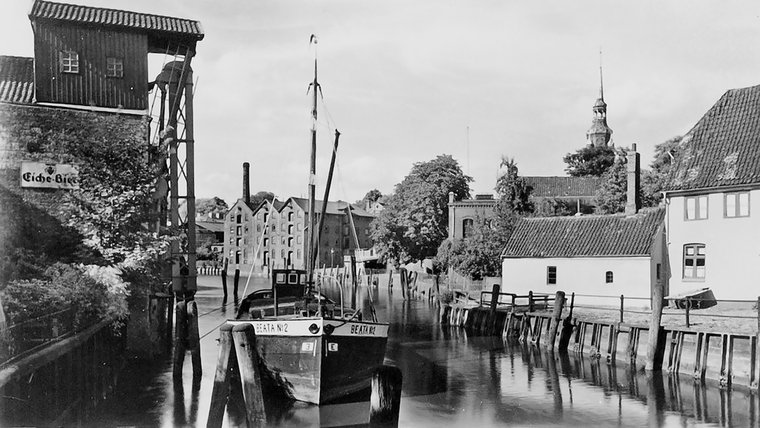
(363, 329)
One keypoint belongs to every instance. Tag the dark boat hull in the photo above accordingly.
(318, 360)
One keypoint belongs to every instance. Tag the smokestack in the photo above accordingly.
(633, 200)
(247, 183)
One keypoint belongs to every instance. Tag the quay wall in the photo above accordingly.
(62, 384)
(726, 359)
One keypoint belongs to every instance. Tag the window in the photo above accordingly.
(736, 204)
(114, 67)
(266, 242)
(659, 271)
(290, 229)
(266, 217)
(69, 62)
(239, 219)
(551, 274)
(696, 207)
(290, 216)
(258, 227)
(608, 277)
(290, 242)
(299, 239)
(694, 262)
(239, 230)
(467, 227)
(237, 242)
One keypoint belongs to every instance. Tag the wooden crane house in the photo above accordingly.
(97, 59)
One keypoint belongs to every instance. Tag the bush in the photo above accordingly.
(94, 292)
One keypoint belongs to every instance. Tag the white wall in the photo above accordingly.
(732, 247)
(581, 275)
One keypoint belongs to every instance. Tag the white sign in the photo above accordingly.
(49, 175)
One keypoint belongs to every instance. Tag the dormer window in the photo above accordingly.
(114, 67)
(69, 62)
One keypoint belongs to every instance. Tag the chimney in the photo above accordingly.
(246, 183)
(452, 225)
(633, 200)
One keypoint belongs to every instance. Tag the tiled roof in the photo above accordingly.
(16, 79)
(553, 187)
(723, 148)
(113, 17)
(211, 226)
(332, 207)
(585, 236)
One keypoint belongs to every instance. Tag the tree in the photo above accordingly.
(415, 219)
(653, 182)
(210, 207)
(478, 255)
(372, 196)
(589, 161)
(260, 197)
(612, 195)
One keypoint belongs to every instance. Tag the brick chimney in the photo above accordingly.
(247, 183)
(633, 200)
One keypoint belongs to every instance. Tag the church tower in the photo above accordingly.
(599, 134)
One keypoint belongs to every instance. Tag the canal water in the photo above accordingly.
(450, 379)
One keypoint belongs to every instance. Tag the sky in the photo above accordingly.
(405, 81)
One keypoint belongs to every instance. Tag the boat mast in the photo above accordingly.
(314, 86)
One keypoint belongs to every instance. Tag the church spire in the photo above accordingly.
(599, 134)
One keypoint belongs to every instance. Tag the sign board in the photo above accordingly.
(49, 175)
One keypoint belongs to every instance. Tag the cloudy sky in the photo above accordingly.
(405, 81)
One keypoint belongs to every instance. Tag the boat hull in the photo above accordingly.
(318, 360)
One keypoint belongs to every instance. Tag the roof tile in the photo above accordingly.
(585, 236)
(723, 148)
(113, 17)
(16, 79)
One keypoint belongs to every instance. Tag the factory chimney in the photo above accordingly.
(247, 183)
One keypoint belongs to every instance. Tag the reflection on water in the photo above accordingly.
(451, 378)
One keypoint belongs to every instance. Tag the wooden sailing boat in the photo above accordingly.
(312, 348)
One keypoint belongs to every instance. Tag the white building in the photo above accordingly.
(713, 231)
(595, 255)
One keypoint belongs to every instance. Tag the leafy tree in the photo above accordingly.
(478, 255)
(213, 206)
(260, 197)
(589, 161)
(415, 219)
(611, 196)
(372, 196)
(654, 181)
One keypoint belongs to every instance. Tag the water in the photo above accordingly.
(450, 379)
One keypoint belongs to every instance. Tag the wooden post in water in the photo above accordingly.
(193, 339)
(224, 276)
(390, 279)
(494, 303)
(244, 338)
(385, 400)
(404, 278)
(221, 391)
(622, 301)
(235, 284)
(559, 303)
(530, 301)
(180, 338)
(567, 326)
(654, 356)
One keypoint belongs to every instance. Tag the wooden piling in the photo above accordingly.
(244, 338)
(236, 282)
(193, 338)
(654, 356)
(180, 337)
(221, 391)
(494, 303)
(567, 326)
(385, 401)
(559, 304)
(403, 279)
